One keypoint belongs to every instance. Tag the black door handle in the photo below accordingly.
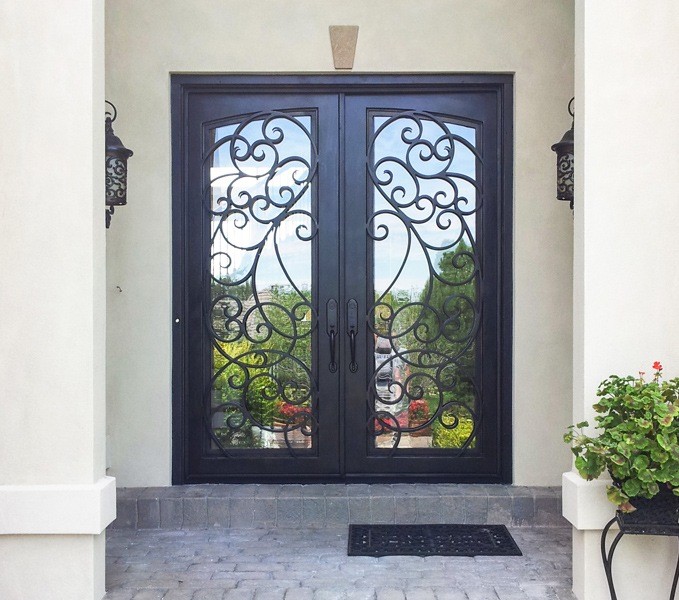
(331, 329)
(352, 330)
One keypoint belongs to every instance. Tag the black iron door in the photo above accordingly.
(342, 278)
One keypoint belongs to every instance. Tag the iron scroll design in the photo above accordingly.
(425, 340)
(257, 197)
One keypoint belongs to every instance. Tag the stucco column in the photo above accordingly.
(626, 281)
(55, 500)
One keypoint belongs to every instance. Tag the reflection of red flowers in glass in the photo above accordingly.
(657, 366)
(418, 409)
(289, 411)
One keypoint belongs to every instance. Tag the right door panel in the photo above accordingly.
(422, 223)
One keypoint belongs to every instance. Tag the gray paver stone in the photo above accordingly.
(313, 511)
(481, 593)
(242, 512)
(195, 512)
(430, 510)
(405, 510)
(171, 513)
(360, 595)
(523, 509)
(120, 595)
(150, 594)
(148, 513)
(299, 594)
(509, 593)
(390, 594)
(270, 595)
(382, 509)
(289, 512)
(359, 510)
(218, 514)
(329, 595)
(337, 510)
(239, 595)
(180, 595)
(265, 512)
(499, 510)
(448, 594)
(421, 594)
(126, 516)
(477, 510)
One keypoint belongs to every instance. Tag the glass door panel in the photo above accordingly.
(264, 392)
(426, 276)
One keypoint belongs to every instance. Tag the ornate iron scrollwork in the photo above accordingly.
(425, 172)
(257, 195)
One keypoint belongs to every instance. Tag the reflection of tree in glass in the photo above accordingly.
(439, 341)
(224, 286)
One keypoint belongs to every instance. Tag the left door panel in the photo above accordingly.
(260, 206)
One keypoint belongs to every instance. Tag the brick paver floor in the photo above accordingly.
(312, 564)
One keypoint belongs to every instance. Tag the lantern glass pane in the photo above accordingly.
(564, 176)
(116, 181)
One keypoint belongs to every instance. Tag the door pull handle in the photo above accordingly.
(352, 330)
(331, 329)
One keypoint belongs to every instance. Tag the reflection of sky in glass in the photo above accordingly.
(249, 223)
(435, 176)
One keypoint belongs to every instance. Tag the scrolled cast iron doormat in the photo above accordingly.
(431, 540)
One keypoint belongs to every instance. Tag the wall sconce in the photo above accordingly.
(564, 161)
(116, 167)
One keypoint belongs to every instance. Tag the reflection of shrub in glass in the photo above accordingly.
(452, 438)
(238, 438)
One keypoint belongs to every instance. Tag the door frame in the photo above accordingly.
(183, 85)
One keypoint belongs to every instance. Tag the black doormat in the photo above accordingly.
(431, 540)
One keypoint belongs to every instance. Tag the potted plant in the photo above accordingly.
(638, 443)
(418, 415)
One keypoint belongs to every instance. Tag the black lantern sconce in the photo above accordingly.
(116, 167)
(564, 161)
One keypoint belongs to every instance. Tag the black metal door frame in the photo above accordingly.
(372, 468)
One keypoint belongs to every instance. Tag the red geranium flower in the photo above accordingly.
(657, 366)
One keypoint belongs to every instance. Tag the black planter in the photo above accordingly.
(655, 516)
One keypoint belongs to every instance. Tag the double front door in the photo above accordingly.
(342, 282)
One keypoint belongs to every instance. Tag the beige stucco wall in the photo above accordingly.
(626, 279)
(146, 41)
(52, 301)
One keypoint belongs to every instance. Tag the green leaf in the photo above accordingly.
(666, 421)
(659, 456)
(616, 495)
(582, 424)
(663, 442)
(617, 459)
(645, 476)
(631, 487)
(641, 462)
(624, 449)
